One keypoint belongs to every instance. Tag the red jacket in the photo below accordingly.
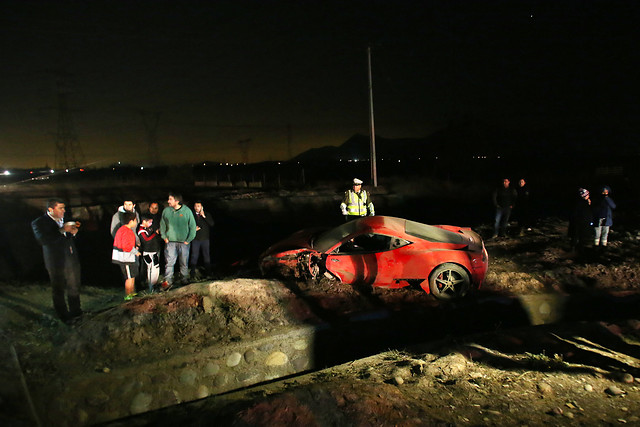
(124, 246)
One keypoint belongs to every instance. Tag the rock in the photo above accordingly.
(220, 380)
(203, 391)
(188, 376)
(211, 369)
(234, 359)
(627, 378)
(545, 389)
(300, 345)
(250, 355)
(277, 358)
(556, 411)
(300, 363)
(614, 391)
(398, 380)
(140, 403)
(207, 305)
(588, 387)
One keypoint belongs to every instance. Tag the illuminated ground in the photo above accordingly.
(475, 362)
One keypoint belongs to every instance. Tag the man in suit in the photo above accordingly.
(60, 259)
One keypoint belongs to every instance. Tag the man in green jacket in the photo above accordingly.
(178, 229)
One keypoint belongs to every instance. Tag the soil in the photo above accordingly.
(498, 357)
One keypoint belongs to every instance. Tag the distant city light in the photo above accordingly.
(66, 170)
(141, 168)
(52, 171)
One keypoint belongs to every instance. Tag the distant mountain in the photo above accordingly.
(469, 140)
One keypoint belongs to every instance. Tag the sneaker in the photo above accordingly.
(130, 296)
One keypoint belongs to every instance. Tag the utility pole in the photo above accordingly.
(68, 152)
(151, 122)
(374, 170)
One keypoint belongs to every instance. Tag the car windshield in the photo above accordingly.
(325, 241)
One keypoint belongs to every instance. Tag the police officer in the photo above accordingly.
(356, 202)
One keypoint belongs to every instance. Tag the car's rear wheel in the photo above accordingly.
(449, 281)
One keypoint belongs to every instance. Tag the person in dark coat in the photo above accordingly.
(504, 198)
(201, 244)
(60, 259)
(523, 207)
(603, 216)
(580, 224)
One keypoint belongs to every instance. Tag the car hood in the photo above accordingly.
(299, 240)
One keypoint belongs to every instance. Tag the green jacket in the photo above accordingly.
(178, 225)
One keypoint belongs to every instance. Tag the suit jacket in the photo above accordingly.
(56, 246)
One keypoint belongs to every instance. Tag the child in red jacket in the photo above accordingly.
(125, 251)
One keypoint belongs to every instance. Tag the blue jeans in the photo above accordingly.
(174, 251)
(502, 220)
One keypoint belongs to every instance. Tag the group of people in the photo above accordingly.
(505, 199)
(181, 235)
(138, 242)
(591, 219)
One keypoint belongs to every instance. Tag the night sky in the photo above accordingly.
(290, 76)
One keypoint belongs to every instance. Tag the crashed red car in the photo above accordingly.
(444, 260)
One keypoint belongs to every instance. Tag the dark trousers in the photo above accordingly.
(198, 246)
(66, 280)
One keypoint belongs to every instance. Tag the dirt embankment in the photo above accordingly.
(489, 363)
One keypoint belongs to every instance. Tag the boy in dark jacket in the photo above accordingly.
(150, 246)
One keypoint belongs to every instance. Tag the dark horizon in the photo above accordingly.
(261, 81)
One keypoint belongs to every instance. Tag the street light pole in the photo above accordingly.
(372, 130)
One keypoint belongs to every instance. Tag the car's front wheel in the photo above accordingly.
(449, 281)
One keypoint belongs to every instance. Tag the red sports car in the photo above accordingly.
(385, 251)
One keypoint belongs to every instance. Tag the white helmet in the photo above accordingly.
(357, 181)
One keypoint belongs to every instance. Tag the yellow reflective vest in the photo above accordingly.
(357, 204)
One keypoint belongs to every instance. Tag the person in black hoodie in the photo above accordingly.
(504, 198)
(581, 221)
(201, 244)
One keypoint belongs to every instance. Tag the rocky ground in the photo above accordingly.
(553, 337)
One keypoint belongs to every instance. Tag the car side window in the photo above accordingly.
(397, 242)
(367, 243)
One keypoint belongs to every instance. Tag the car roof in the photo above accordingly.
(403, 227)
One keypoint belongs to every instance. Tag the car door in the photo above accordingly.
(367, 258)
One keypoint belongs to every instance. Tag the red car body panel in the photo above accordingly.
(395, 251)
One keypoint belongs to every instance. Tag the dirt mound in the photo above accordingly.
(583, 373)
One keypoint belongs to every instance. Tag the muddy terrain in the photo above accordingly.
(553, 337)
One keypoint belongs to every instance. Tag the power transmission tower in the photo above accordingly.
(289, 140)
(151, 122)
(68, 152)
(244, 149)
